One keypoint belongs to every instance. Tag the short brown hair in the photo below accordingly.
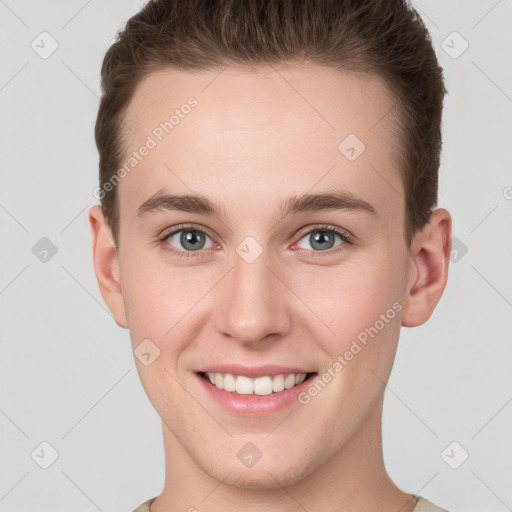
(386, 38)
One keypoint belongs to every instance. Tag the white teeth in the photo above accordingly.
(278, 383)
(289, 381)
(300, 377)
(229, 382)
(244, 385)
(265, 385)
(218, 380)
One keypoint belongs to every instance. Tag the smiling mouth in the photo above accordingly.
(264, 385)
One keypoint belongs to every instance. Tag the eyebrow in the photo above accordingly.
(337, 200)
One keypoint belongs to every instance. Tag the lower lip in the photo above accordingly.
(254, 405)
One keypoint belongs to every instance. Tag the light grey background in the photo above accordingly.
(67, 374)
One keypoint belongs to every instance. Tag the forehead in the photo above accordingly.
(272, 128)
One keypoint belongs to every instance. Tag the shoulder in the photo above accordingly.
(424, 505)
(144, 507)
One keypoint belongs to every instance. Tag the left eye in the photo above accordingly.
(321, 239)
(190, 239)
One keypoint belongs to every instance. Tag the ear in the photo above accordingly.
(428, 271)
(106, 265)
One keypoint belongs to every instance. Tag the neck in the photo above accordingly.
(352, 479)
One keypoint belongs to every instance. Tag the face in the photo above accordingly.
(253, 283)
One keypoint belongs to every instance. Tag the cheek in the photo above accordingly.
(360, 303)
(157, 295)
(159, 303)
(350, 299)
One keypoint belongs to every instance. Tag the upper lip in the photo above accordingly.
(253, 371)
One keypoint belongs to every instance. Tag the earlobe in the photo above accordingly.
(430, 258)
(106, 265)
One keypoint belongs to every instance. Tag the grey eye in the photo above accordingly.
(190, 239)
(320, 239)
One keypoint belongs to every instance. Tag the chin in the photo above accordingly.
(261, 481)
(269, 474)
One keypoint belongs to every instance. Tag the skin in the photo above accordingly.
(251, 143)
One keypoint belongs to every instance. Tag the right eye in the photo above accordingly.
(186, 240)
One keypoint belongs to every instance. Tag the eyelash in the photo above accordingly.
(345, 237)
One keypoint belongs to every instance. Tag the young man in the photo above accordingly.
(236, 139)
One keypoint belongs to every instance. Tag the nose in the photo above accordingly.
(253, 305)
